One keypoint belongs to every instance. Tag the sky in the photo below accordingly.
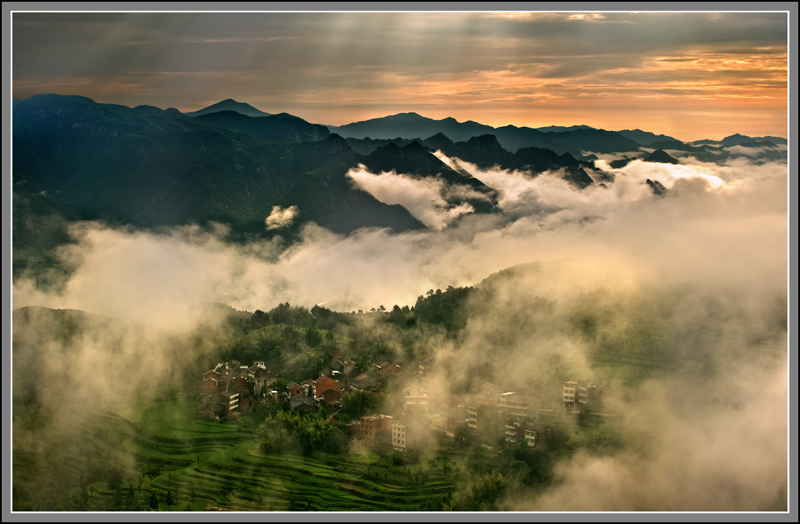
(688, 75)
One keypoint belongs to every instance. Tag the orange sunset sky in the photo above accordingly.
(690, 75)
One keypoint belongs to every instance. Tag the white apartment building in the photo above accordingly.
(569, 394)
(399, 435)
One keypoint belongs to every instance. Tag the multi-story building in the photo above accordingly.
(472, 417)
(233, 401)
(584, 396)
(488, 395)
(530, 438)
(590, 396)
(399, 435)
(416, 399)
(511, 432)
(241, 385)
(533, 436)
(514, 406)
(569, 394)
(374, 425)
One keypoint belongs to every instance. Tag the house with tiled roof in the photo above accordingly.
(323, 383)
(365, 382)
(215, 405)
(386, 369)
(331, 398)
(240, 384)
(304, 403)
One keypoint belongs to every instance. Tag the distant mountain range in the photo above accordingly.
(737, 139)
(75, 159)
(575, 141)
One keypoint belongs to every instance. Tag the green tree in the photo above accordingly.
(359, 403)
(481, 495)
(275, 437)
(153, 501)
(313, 338)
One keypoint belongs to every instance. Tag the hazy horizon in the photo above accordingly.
(689, 75)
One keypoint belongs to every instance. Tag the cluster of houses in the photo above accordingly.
(231, 388)
(516, 412)
(413, 420)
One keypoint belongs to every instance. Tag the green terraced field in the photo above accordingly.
(208, 465)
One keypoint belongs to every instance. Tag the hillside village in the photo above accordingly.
(231, 389)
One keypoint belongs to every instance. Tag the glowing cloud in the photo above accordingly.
(422, 197)
(669, 174)
(279, 218)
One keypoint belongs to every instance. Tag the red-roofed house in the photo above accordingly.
(331, 397)
(323, 383)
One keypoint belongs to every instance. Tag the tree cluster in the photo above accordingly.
(290, 432)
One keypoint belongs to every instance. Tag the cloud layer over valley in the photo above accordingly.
(716, 223)
(707, 260)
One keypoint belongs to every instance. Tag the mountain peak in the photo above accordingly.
(230, 104)
(661, 156)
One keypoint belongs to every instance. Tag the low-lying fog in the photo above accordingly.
(714, 443)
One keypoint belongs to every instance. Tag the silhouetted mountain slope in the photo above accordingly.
(560, 129)
(39, 224)
(366, 146)
(644, 138)
(273, 128)
(148, 167)
(661, 157)
(656, 187)
(409, 125)
(442, 142)
(737, 139)
(484, 151)
(573, 140)
(514, 138)
(539, 160)
(417, 159)
(757, 151)
(679, 146)
(593, 140)
(144, 166)
(621, 162)
(229, 105)
(412, 159)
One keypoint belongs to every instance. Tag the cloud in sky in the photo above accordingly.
(338, 68)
